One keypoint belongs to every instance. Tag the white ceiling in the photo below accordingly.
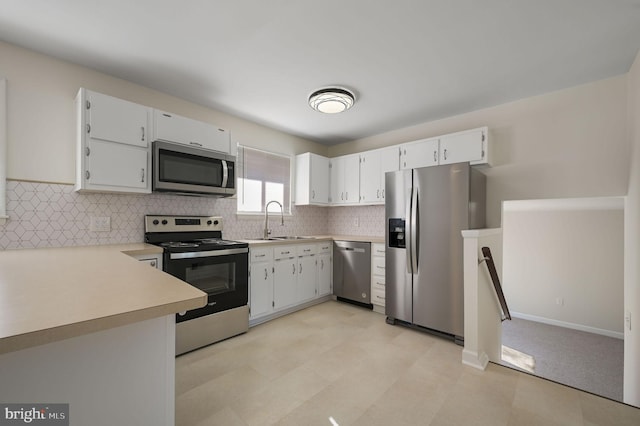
(408, 62)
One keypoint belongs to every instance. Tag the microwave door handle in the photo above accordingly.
(225, 173)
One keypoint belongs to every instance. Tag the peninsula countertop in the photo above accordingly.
(50, 294)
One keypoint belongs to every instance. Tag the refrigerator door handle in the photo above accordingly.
(408, 231)
(414, 231)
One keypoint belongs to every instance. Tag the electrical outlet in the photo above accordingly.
(100, 224)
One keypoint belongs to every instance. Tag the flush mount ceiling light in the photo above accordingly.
(331, 100)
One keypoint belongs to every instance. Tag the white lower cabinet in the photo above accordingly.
(261, 297)
(307, 285)
(378, 277)
(284, 277)
(325, 268)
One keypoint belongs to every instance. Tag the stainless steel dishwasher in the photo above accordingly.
(352, 271)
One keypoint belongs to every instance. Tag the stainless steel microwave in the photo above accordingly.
(182, 169)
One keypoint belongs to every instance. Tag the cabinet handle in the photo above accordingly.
(321, 263)
(294, 268)
(380, 297)
(88, 151)
(142, 176)
(260, 255)
(435, 156)
(342, 196)
(88, 128)
(300, 269)
(195, 143)
(87, 174)
(285, 252)
(306, 250)
(383, 194)
(313, 194)
(445, 153)
(142, 133)
(266, 275)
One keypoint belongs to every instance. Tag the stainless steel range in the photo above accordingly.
(195, 252)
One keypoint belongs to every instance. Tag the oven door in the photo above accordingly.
(184, 169)
(222, 274)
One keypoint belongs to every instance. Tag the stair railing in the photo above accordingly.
(491, 266)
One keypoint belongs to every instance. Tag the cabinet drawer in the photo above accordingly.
(377, 249)
(282, 252)
(377, 297)
(377, 266)
(378, 282)
(261, 254)
(324, 247)
(306, 249)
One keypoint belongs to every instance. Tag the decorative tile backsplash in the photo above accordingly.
(54, 215)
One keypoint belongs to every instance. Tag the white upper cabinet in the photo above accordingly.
(112, 153)
(422, 153)
(373, 166)
(116, 120)
(470, 145)
(312, 179)
(171, 127)
(345, 179)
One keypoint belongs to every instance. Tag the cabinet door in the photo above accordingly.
(307, 278)
(116, 120)
(420, 153)
(463, 146)
(284, 282)
(389, 162)
(319, 179)
(261, 289)
(324, 274)
(115, 165)
(352, 179)
(370, 164)
(337, 180)
(174, 128)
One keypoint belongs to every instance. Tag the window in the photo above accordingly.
(263, 177)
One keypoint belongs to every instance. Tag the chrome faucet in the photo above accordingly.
(267, 231)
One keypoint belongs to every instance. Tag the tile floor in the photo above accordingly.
(339, 364)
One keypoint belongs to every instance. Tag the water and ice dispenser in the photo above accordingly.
(396, 233)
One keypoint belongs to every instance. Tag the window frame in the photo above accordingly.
(272, 209)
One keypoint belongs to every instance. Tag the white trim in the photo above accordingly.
(592, 203)
(3, 151)
(475, 360)
(570, 325)
(479, 233)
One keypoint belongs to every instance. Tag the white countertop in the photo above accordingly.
(53, 294)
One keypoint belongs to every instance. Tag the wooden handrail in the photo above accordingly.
(491, 266)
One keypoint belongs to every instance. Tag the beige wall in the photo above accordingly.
(41, 118)
(569, 143)
(570, 249)
(632, 245)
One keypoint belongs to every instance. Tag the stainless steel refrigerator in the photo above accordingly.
(426, 209)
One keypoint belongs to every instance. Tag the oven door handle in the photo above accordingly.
(209, 253)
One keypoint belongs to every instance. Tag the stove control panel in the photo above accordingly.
(182, 223)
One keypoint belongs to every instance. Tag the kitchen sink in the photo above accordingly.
(292, 237)
(285, 238)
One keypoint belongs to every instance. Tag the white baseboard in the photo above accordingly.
(570, 325)
(475, 359)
